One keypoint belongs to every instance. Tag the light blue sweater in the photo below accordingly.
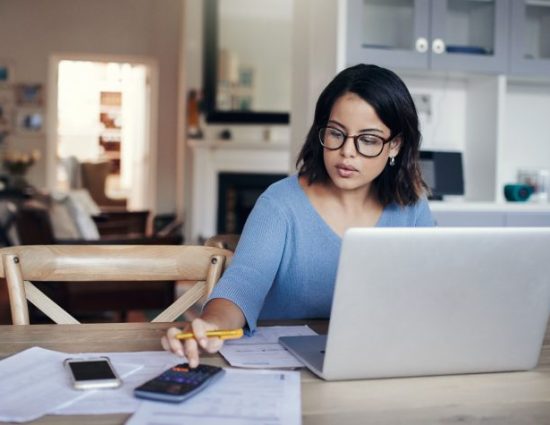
(285, 264)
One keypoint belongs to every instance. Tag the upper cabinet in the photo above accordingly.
(530, 37)
(458, 35)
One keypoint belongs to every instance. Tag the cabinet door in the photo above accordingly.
(530, 37)
(388, 33)
(469, 35)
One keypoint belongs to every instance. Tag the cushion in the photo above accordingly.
(71, 215)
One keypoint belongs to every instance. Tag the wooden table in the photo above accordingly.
(496, 398)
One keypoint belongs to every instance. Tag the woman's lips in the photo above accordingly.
(345, 170)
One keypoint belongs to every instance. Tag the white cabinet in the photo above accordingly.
(530, 38)
(459, 35)
(490, 215)
(483, 69)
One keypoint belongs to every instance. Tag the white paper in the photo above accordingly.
(122, 400)
(262, 350)
(241, 397)
(34, 382)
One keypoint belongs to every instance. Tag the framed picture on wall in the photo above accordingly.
(6, 72)
(29, 122)
(29, 94)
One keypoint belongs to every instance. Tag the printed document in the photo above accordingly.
(35, 382)
(262, 350)
(121, 400)
(241, 397)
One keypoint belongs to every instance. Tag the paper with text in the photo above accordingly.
(240, 397)
(262, 350)
(122, 400)
(35, 382)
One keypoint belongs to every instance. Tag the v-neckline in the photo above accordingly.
(320, 219)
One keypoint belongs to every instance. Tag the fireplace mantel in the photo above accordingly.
(211, 157)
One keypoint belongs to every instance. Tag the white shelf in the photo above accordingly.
(542, 207)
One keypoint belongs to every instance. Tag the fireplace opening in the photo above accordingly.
(237, 194)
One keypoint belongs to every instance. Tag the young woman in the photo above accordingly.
(357, 168)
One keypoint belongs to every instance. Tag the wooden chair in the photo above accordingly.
(94, 178)
(84, 263)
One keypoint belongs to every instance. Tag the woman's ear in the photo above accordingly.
(395, 146)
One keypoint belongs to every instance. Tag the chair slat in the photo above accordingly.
(48, 306)
(191, 296)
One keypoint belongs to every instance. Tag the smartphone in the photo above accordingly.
(92, 373)
(179, 383)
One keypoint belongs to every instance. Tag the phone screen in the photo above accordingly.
(91, 370)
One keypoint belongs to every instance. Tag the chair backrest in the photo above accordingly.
(86, 263)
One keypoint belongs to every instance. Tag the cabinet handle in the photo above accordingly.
(421, 45)
(438, 46)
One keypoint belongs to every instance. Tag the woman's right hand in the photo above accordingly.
(190, 348)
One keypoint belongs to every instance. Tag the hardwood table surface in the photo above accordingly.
(492, 398)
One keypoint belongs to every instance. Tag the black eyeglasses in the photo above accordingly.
(366, 144)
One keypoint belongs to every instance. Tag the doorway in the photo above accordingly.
(103, 114)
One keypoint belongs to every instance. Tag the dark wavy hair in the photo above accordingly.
(391, 100)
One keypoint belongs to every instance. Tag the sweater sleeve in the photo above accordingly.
(250, 276)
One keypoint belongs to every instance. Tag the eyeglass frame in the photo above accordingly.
(355, 141)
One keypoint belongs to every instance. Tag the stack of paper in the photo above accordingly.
(122, 400)
(241, 397)
(38, 375)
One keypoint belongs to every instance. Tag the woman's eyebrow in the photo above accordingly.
(364, 130)
(337, 123)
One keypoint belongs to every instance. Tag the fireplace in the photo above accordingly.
(258, 164)
(237, 194)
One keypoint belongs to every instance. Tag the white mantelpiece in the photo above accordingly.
(213, 157)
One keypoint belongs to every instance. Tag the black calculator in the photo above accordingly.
(179, 383)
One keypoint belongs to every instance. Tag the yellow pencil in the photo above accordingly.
(222, 334)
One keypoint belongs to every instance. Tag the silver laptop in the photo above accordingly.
(434, 301)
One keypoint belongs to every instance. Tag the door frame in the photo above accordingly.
(52, 103)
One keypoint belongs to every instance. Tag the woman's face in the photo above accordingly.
(347, 169)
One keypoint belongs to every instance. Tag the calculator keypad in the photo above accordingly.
(181, 379)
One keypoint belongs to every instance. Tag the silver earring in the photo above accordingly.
(392, 161)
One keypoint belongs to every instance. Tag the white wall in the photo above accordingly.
(33, 30)
(526, 139)
(317, 38)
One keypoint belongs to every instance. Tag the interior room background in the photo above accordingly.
(496, 118)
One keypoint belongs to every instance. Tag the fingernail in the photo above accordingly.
(179, 352)
(203, 342)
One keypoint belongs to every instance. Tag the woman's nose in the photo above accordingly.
(348, 148)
